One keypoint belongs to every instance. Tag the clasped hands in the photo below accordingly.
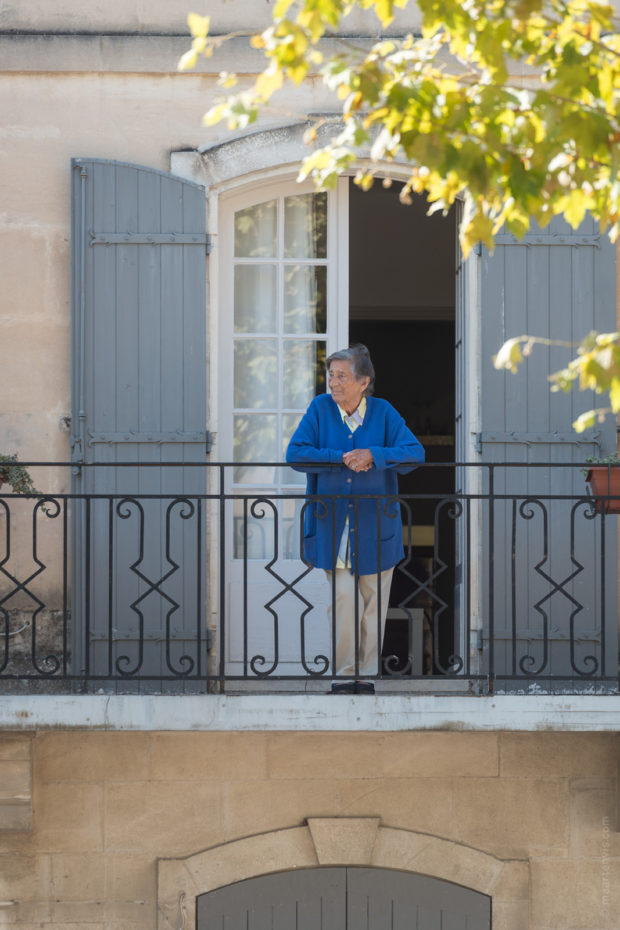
(358, 459)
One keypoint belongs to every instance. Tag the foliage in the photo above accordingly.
(611, 459)
(511, 106)
(596, 367)
(16, 476)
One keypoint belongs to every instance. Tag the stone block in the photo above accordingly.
(440, 754)
(399, 849)
(200, 756)
(422, 804)
(462, 865)
(15, 783)
(15, 780)
(15, 747)
(69, 818)
(344, 840)
(80, 756)
(165, 818)
(15, 816)
(131, 878)
(512, 817)
(592, 813)
(510, 915)
(250, 807)
(513, 882)
(78, 877)
(317, 755)
(131, 913)
(560, 754)
(575, 894)
(254, 855)
(23, 877)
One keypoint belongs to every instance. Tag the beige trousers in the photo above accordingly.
(368, 604)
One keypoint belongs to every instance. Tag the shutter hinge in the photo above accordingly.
(478, 248)
(587, 438)
(209, 639)
(209, 441)
(209, 244)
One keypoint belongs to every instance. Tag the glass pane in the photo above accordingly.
(255, 298)
(305, 299)
(304, 371)
(256, 373)
(305, 226)
(255, 440)
(290, 422)
(254, 521)
(255, 231)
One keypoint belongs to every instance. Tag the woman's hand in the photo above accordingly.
(358, 459)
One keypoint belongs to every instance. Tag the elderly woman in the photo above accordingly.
(353, 445)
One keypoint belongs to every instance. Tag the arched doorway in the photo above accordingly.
(343, 899)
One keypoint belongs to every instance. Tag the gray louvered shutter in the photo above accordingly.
(553, 603)
(138, 395)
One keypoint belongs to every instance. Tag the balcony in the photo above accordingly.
(178, 579)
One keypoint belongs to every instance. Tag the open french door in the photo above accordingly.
(283, 309)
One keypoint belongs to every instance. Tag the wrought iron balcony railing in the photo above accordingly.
(182, 578)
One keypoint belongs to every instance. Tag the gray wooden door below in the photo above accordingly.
(343, 899)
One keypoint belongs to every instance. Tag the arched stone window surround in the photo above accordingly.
(343, 841)
(264, 154)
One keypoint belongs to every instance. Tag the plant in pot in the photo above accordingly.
(603, 476)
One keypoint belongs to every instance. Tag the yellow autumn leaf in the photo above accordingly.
(226, 79)
(575, 208)
(268, 82)
(614, 394)
(188, 60)
(509, 356)
(215, 114)
(198, 25)
(586, 421)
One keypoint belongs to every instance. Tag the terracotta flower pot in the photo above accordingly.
(603, 481)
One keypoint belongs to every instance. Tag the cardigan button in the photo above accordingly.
(349, 480)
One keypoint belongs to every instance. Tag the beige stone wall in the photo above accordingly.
(108, 805)
(156, 16)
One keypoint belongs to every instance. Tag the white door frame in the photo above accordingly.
(273, 156)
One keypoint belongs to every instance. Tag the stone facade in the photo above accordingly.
(529, 818)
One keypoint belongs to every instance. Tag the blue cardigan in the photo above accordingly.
(375, 528)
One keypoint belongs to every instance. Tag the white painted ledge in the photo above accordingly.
(311, 712)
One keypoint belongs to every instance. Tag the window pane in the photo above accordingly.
(305, 299)
(305, 226)
(255, 528)
(290, 422)
(256, 373)
(255, 440)
(255, 298)
(255, 231)
(304, 371)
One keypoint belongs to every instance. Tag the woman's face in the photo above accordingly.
(344, 387)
